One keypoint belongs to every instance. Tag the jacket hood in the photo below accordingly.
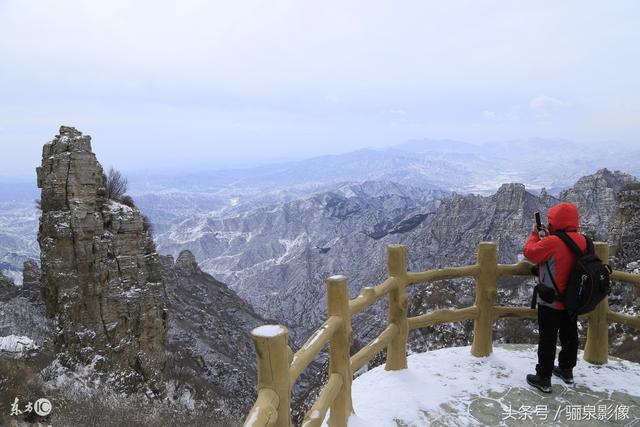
(563, 216)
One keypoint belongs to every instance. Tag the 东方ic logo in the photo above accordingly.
(41, 407)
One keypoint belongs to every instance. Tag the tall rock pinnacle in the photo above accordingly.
(101, 277)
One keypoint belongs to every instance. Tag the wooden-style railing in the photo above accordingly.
(279, 368)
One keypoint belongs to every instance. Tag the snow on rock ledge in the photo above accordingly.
(16, 346)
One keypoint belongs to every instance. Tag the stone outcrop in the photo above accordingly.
(8, 289)
(22, 315)
(626, 230)
(101, 279)
(460, 222)
(597, 199)
(31, 281)
(625, 237)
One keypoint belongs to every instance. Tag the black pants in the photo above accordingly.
(550, 322)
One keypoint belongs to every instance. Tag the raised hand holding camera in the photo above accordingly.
(539, 227)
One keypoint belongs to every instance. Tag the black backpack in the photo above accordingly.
(589, 281)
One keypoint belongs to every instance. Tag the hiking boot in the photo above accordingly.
(565, 374)
(542, 384)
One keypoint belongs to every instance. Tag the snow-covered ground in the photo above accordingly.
(451, 387)
(16, 345)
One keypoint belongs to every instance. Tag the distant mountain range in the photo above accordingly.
(277, 257)
(444, 164)
(439, 166)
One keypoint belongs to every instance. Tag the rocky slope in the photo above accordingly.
(8, 289)
(21, 309)
(101, 277)
(625, 240)
(284, 252)
(278, 258)
(18, 230)
(626, 230)
(210, 353)
(22, 314)
(597, 197)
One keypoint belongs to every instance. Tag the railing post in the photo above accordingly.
(398, 301)
(596, 349)
(339, 349)
(485, 299)
(272, 351)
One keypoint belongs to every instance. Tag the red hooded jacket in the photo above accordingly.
(554, 259)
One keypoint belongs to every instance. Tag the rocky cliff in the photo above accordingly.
(31, 281)
(625, 241)
(626, 230)
(597, 199)
(101, 277)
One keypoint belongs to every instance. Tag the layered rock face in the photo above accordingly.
(597, 199)
(101, 278)
(625, 298)
(31, 281)
(626, 231)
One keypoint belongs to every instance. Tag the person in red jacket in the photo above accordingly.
(554, 261)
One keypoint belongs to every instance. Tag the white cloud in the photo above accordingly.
(546, 103)
(331, 99)
(489, 115)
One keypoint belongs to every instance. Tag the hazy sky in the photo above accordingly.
(162, 83)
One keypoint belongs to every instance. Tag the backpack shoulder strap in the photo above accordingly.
(590, 248)
(553, 280)
(572, 245)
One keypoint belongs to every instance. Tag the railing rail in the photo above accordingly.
(313, 346)
(279, 368)
(370, 350)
